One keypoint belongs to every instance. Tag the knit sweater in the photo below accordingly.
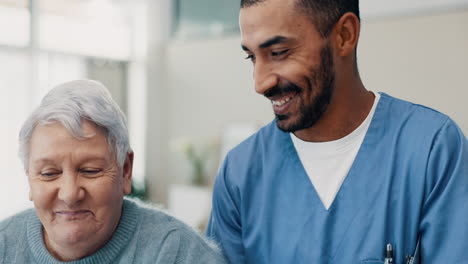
(144, 235)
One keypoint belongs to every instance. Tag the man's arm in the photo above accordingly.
(444, 222)
(225, 225)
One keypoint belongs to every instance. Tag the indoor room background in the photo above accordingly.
(177, 70)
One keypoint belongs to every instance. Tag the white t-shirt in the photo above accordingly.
(327, 163)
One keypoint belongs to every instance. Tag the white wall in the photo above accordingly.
(382, 8)
(208, 85)
(421, 59)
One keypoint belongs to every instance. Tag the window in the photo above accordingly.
(195, 19)
(96, 39)
(14, 23)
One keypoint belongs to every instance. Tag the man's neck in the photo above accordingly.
(348, 109)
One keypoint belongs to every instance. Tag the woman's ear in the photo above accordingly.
(127, 173)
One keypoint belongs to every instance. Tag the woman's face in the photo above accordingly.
(77, 188)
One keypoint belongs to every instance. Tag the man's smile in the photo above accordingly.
(282, 102)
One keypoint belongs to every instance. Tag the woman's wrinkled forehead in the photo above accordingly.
(53, 142)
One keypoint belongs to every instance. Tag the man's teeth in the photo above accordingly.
(281, 102)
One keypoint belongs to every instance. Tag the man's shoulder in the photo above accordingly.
(257, 143)
(403, 108)
(417, 117)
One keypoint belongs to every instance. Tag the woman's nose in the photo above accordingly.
(70, 190)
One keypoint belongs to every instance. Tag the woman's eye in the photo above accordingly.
(90, 171)
(49, 174)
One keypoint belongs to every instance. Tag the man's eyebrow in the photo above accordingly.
(270, 42)
(273, 41)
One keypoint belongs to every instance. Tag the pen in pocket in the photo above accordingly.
(409, 259)
(389, 254)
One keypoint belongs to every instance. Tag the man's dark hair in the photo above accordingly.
(324, 13)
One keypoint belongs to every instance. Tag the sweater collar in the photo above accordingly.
(120, 239)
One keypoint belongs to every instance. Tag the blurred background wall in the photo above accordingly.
(177, 70)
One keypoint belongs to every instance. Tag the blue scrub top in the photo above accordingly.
(409, 180)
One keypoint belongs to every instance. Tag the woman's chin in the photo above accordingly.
(72, 234)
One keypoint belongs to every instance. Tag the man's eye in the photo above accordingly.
(250, 57)
(278, 53)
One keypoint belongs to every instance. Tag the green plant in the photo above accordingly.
(197, 156)
(138, 191)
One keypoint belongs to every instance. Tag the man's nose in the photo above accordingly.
(264, 77)
(71, 190)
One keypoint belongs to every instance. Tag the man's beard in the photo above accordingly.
(322, 78)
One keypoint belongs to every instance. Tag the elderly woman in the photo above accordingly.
(76, 153)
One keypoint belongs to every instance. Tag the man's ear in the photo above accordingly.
(346, 34)
(127, 173)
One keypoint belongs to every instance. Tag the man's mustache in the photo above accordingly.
(282, 89)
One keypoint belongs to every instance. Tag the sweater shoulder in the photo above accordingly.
(13, 238)
(15, 223)
(154, 218)
(156, 222)
(165, 232)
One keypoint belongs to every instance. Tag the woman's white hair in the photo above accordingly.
(70, 104)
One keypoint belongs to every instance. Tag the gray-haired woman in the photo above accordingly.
(76, 153)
